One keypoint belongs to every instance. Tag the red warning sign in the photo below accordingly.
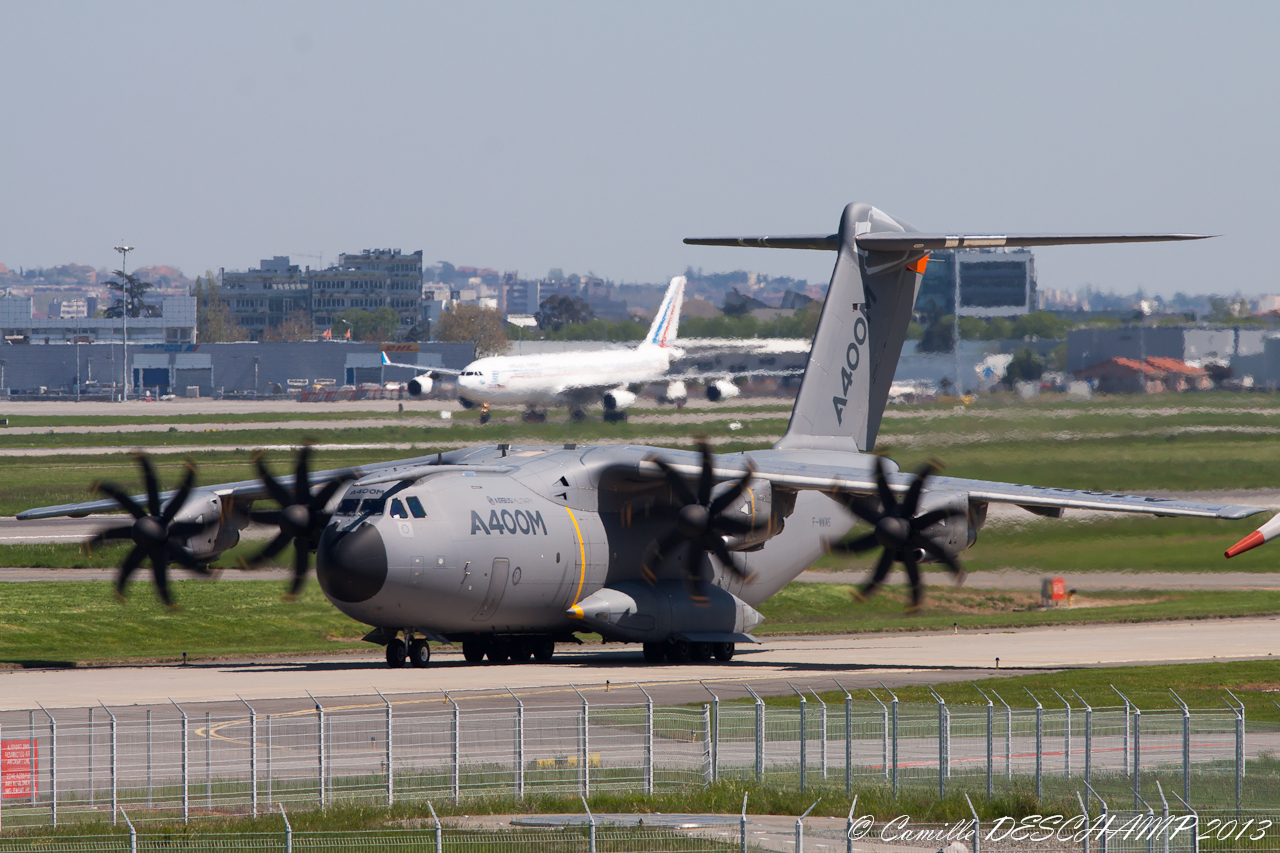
(19, 766)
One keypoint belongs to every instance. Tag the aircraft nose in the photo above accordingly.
(351, 566)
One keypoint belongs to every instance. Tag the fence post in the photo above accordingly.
(804, 737)
(1084, 815)
(800, 826)
(53, 767)
(519, 734)
(584, 745)
(977, 839)
(455, 784)
(267, 744)
(1088, 746)
(894, 721)
(1238, 710)
(133, 833)
(186, 803)
(389, 752)
(439, 829)
(591, 832)
(1195, 831)
(1164, 819)
(1039, 745)
(742, 826)
(1066, 738)
(253, 756)
(990, 750)
(884, 732)
(822, 719)
(715, 732)
(707, 760)
(91, 734)
(320, 763)
(1126, 728)
(1186, 747)
(648, 740)
(848, 821)
(114, 763)
(944, 743)
(848, 740)
(149, 776)
(759, 732)
(1103, 817)
(288, 830)
(208, 760)
(1137, 755)
(1008, 736)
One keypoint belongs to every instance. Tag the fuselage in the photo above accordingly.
(561, 378)
(511, 549)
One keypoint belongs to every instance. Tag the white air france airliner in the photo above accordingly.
(578, 379)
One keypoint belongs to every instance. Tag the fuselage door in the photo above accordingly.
(497, 586)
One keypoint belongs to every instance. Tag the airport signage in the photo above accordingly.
(19, 766)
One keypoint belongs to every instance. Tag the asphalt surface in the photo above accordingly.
(806, 662)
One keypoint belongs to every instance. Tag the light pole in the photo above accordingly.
(124, 319)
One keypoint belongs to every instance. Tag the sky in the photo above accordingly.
(594, 136)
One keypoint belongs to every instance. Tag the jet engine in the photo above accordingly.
(420, 386)
(676, 392)
(636, 612)
(618, 398)
(722, 389)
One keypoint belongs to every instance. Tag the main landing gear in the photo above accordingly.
(484, 413)
(683, 651)
(508, 649)
(417, 652)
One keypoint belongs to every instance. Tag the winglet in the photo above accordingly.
(1261, 536)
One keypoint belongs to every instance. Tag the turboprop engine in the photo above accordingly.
(220, 532)
(722, 389)
(958, 529)
(420, 386)
(618, 398)
(636, 612)
(759, 507)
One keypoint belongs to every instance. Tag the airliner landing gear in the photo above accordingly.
(613, 416)
(577, 416)
(534, 416)
(484, 413)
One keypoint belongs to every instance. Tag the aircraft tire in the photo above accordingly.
(544, 649)
(655, 652)
(723, 651)
(473, 650)
(577, 416)
(498, 652)
(484, 417)
(614, 416)
(699, 652)
(395, 654)
(419, 654)
(520, 651)
(678, 651)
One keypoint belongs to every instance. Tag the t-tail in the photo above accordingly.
(880, 263)
(665, 323)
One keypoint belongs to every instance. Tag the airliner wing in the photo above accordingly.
(700, 375)
(420, 368)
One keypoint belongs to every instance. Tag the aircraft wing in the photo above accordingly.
(699, 376)
(420, 368)
(243, 489)
(860, 480)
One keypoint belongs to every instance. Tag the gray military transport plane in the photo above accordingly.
(508, 549)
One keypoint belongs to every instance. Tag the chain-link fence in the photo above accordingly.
(186, 762)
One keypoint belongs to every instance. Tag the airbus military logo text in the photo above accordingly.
(519, 521)
(852, 358)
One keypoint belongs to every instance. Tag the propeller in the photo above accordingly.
(700, 524)
(155, 534)
(301, 517)
(900, 532)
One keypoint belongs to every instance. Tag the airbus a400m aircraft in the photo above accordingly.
(508, 549)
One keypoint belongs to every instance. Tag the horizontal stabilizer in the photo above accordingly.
(898, 241)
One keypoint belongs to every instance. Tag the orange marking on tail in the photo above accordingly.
(1253, 540)
(919, 266)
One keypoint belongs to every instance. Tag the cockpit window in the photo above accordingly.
(348, 506)
(373, 506)
(415, 507)
(397, 509)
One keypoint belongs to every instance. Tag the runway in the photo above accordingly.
(855, 661)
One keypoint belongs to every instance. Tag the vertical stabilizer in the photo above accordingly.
(665, 323)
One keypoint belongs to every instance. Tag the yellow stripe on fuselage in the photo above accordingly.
(582, 556)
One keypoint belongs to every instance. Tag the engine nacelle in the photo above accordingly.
(757, 507)
(958, 532)
(640, 613)
(676, 392)
(618, 398)
(722, 389)
(222, 532)
(420, 386)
